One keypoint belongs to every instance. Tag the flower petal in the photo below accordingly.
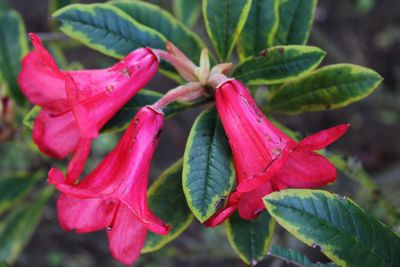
(220, 216)
(127, 236)
(323, 138)
(306, 169)
(56, 136)
(78, 160)
(40, 79)
(84, 215)
(251, 203)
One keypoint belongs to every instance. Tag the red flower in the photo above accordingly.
(113, 195)
(76, 104)
(266, 159)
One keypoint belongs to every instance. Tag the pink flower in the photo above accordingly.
(113, 196)
(77, 104)
(265, 158)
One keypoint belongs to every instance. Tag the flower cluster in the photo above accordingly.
(75, 105)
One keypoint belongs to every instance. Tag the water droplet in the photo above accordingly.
(341, 197)
(316, 246)
(109, 228)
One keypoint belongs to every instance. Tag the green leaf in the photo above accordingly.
(167, 200)
(330, 87)
(187, 11)
(3, 6)
(57, 4)
(107, 29)
(224, 21)
(144, 97)
(208, 173)
(250, 238)
(30, 118)
(18, 226)
(15, 187)
(260, 28)
(343, 231)
(279, 64)
(162, 21)
(295, 21)
(13, 46)
(291, 256)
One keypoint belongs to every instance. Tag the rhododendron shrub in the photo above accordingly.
(240, 166)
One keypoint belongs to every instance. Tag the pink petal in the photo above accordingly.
(127, 236)
(270, 171)
(255, 142)
(78, 160)
(86, 122)
(220, 216)
(323, 138)
(40, 79)
(84, 215)
(55, 136)
(251, 204)
(306, 169)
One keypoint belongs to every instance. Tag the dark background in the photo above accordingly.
(351, 33)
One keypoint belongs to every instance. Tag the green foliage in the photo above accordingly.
(343, 231)
(250, 238)
(13, 46)
(187, 11)
(224, 21)
(121, 120)
(260, 28)
(18, 226)
(29, 119)
(107, 29)
(164, 23)
(208, 174)
(279, 64)
(167, 201)
(295, 21)
(330, 87)
(15, 187)
(291, 256)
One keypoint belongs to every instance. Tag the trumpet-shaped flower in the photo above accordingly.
(265, 158)
(113, 196)
(77, 104)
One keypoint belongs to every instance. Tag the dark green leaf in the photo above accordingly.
(167, 201)
(279, 64)
(13, 46)
(250, 238)
(145, 97)
(18, 226)
(14, 187)
(208, 174)
(107, 29)
(224, 22)
(57, 4)
(291, 256)
(187, 11)
(295, 21)
(3, 6)
(260, 28)
(160, 20)
(338, 226)
(330, 87)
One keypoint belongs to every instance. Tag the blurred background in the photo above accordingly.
(365, 32)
